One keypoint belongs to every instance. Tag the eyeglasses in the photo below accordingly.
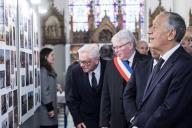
(118, 47)
(84, 62)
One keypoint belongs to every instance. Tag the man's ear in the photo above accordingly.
(172, 35)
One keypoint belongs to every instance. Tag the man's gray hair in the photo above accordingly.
(124, 36)
(91, 49)
(177, 23)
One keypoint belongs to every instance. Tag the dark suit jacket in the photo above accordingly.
(112, 113)
(168, 101)
(84, 101)
(68, 81)
(134, 90)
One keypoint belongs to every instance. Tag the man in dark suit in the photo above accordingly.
(86, 85)
(112, 113)
(134, 90)
(167, 99)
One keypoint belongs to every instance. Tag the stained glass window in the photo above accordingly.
(131, 10)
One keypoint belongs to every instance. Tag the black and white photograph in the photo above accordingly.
(4, 123)
(4, 105)
(2, 56)
(2, 79)
(27, 69)
(10, 36)
(30, 100)
(13, 36)
(7, 65)
(10, 119)
(22, 59)
(24, 104)
(15, 117)
(6, 15)
(21, 38)
(12, 62)
(23, 80)
(7, 38)
(15, 98)
(1, 2)
(31, 77)
(29, 34)
(30, 59)
(25, 40)
(36, 78)
(10, 97)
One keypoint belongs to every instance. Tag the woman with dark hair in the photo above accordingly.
(48, 109)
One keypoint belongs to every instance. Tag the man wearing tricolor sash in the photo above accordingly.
(117, 73)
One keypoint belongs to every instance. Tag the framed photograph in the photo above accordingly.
(15, 117)
(30, 59)
(10, 97)
(14, 36)
(22, 59)
(12, 62)
(30, 100)
(15, 98)
(26, 41)
(2, 56)
(27, 69)
(23, 80)
(36, 78)
(31, 77)
(7, 65)
(6, 16)
(10, 36)
(7, 38)
(10, 119)
(4, 123)
(30, 34)
(2, 79)
(1, 14)
(1, 2)
(24, 104)
(4, 105)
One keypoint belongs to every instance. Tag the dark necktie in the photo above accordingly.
(157, 66)
(154, 72)
(93, 80)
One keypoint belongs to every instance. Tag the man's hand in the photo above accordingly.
(81, 125)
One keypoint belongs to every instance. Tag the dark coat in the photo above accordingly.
(68, 80)
(84, 101)
(168, 101)
(135, 88)
(112, 113)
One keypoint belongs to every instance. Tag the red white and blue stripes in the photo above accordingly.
(124, 69)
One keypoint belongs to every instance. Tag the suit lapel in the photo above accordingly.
(86, 82)
(166, 67)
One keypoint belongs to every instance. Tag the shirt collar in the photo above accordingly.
(131, 58)
(97, 69)
(170, 52)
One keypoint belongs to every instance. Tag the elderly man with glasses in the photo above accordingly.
(117, 74)
(86, 82)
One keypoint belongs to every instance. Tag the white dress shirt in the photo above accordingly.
(97, 72)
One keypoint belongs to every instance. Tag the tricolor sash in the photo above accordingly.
(123, 67)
